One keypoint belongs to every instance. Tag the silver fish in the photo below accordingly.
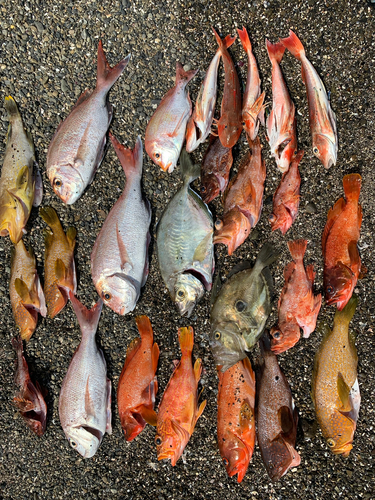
(240, 310)
(77, 148)
(85, 396)
(119, 259)
(184, 243)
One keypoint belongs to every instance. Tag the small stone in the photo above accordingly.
(311, 208)
(84, 34)
(254, 235)
(187, 67)
(39, 26)
(64, 86)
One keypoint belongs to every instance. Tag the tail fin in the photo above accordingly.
(17, 345)
(297, 249)
(352, 186)
(275, 51)
(265, 345)
(144, 328)
(266, 256)
(227, 42)
(186, 339)
(184, 77)
(131, 160)
(245, 40)
(88, 319)
(190, 171)
(11, 107)
(294, 45)
(107, 76)
(347, 313)
(50, 217)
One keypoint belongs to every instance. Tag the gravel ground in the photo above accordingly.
(48, 57)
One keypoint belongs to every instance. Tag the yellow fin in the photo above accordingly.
(22, 290)
(343, 390)
(201, 408)
(197, 369)
(71, 234)
(148, 415)
(202, 249)
(60, 270)
(50, 217)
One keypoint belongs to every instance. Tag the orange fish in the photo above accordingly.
(235, 417)
(138, 386)
(286, 197)
(215, 170)
(26, 294)
(298, 308)
(60, 272)
(29, 401)
(230, 124)
(243, 200)
(342, 264)
(178, 410)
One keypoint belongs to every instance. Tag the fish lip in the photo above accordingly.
(166, 455)
(344, 450)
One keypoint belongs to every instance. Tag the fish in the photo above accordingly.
(199, 124)
(78, 146)
(287, 197)
(281, 122)
(253, 99)
(184, 243)
(243, 200)
(165, 132)
(26, 293)
(215, 170)
(30, 400)
(119, 259)
(229, 125)
(59, 267)
(21, 185)
(85, 396)
(335, 389)
(178, 411)
(276, 415)
(342, 263)
(241, 308)
(138, 386)
(236, 417)
(322, 119)
(297, 306)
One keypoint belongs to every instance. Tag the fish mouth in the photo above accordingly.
(344, 450)
(168, 455)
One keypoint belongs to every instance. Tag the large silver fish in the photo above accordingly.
(240, 310)
(119, 259)
(20, 183)
(77, 148)
(85, 397)
(184, 243)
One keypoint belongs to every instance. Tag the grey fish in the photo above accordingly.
(119, 259)
(85, 396)
(241, 309)
(77, 148)
(184, 243)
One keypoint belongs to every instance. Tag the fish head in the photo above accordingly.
(285, 337)
(227, 344)
(26, 319)
(170, 440)
(338, 285)
(163, 152)
(119, 292)
(210, 188)
(235, 456)
(282, 219)
(188, 290)
(229, 131)
(325, 150)
(341, 437)
(233, 230)
(14, 214)
(84, 439)
(67, 183)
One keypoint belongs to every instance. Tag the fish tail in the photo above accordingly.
(107, 76)
(131, 159)
(50, 217)
(294, 45)
(352, 187)
(227, 42)
(17, 345)
(245, 40)
(266, 256)
(190, 171)
(297, 249)
(186, 339)
(11, 107)
(275, 51)
(145, 328)
(265, 344)
(347, 313)
(88, 319)
(183, 77)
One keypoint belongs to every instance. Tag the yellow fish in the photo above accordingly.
(26, 294)
(20, 182)
(335, 389)
(59, 267)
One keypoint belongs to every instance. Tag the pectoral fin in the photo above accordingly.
(355, 261)
(286, 420)
(60, 270)
(247, 421)
(126, 264)
(89, 404)
(203, 248)
(201, 408)
(38, 189)
(344, 391)
(22, 290)
(147, 414)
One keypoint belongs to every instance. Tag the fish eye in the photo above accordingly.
(218, 224)
(330, 289)
(226, 126)
(315, 150)
(157, 155)
(225, 462)
(276, 335)
(57, 182)
(217, 335)
(243, 124)
(331, 443)
(203, 189)
(181, 294)
(158, 440)
(107, 296)
(240, 305)
(73, 444)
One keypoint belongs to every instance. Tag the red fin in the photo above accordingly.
(294, 45)
(186, 339)
(155, 359)
(131, 159)
(131, 351)
(184, 77)
(147, 414)
(227, 41)
(275, 51)
(88, 319)
(82, 98)
(310, 273)
(198, 369)
(333, 214)
(288, 271)
(355, 261)
(106, 76)
(145, 328)
(352, 187)
(245, 40)
(297, 249)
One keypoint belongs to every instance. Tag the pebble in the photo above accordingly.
(310, 208)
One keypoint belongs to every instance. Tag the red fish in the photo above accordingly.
(215, 170)
(138, 386)
(230, 123)
(281, 123)
(297, 307)
(286, 197)
(178, 410)
(29, 400)
(252, 106)
(342, 263)
(243, 200)
(322, 118)
(235, 417)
